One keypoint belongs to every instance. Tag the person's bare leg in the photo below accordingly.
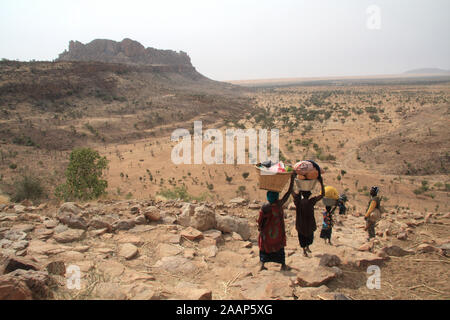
(308, 249)
(262, 267)
(305, 253)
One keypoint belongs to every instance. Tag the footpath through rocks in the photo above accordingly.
(177, 250)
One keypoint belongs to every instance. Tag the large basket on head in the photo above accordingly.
(272, 181)
(329, 202)
(305, 185)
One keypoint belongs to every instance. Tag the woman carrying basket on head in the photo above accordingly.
(305, 221)
(272, 234)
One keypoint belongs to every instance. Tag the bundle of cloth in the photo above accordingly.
(307, 170)
(277, 167)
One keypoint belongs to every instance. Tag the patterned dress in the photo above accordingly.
(272, 235)
(327, 224)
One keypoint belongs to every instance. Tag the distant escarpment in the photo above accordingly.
(127, 51)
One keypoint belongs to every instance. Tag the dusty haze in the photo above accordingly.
(232, 40)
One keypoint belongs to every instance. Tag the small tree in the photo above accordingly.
(29, 187)
(83, 176)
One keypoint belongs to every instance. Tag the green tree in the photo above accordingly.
(83, 176)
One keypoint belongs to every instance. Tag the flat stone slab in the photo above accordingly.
(128, 251)
(315, 277)
(70, 235)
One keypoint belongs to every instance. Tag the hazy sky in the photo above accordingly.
(243, 39)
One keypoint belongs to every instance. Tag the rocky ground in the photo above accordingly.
(176, 250)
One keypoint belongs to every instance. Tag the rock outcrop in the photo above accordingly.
(127, 52)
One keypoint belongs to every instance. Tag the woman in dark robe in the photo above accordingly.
(272, 234)
(305, 222)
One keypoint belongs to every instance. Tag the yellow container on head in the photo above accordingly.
(331, 193)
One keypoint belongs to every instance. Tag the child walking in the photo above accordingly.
(327, 224)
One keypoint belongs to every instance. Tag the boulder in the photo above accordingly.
(70, 207)
(329, 260)
(315, 277)
(12, 288)
(19, 245)
(140, 220)
(187, 211)
(23, 227)
(135, 210)
(10, 263)
(395, 251)
(192, 234)
(70, 235)
(402, 236)
(38, 247)
(203, 219)
(365, 259)
(38, 282)
(18, 209)
(233, 224)
(128, 251)
(126, 224)
(152, 213)
(73, 221)
(209, 251)
(15, 235)
(99, 223)
(216, 235)
(43, 233)
(60, 228)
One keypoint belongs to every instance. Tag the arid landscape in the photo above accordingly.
(178, 231)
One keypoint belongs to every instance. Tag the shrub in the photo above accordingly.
(241, 191)
(180, 193)
(371, 110)
(28, 187)
(83, 176)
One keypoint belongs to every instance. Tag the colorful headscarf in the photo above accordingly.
(272, 196)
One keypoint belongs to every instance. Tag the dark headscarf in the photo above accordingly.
(272, 196)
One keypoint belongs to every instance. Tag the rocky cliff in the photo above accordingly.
(127, 51)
